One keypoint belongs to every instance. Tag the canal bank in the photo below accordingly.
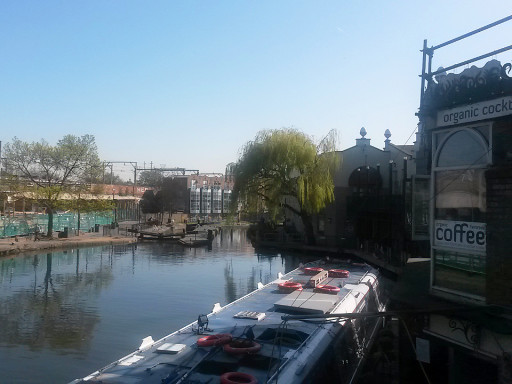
(26, 244)
(381, 263)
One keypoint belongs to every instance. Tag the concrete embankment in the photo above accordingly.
(13, 246)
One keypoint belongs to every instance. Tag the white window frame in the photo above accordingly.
(437, 148)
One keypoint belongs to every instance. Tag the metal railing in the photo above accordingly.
(428, 53)
(26, 224)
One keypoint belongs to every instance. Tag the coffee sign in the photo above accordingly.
(460, 234)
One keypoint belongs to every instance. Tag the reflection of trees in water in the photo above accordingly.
(232, 287)
(230, 284)
(233, 238)
(251, 281)
(291, 261)
(54, 312)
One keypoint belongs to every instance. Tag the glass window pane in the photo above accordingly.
(462, 148)
(459, 271)
(420, 208)
(461, 195)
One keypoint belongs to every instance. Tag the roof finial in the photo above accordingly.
(362, 132)
(387, 134)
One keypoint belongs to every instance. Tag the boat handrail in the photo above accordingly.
(362, 277)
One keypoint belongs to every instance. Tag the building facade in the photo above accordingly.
(466, 129)
(371, 193)
(465, 142)
(210, 195)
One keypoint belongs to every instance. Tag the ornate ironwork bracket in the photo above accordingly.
(470, 330)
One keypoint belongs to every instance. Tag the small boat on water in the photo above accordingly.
(283, 332)
(199, 238)
(195, 240)
(162, 232)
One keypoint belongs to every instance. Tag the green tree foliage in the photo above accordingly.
(115, 180)
(282, 163)
(171, 196)
(173, 193)
(151, 203)
(47, 173)
(150, 178)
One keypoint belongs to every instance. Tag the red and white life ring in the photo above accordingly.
(338, 273)
(241, 347)
(289, 286)
(327, 289)
(360, 264)
(237, 378)
(312, 270)
(214, 340)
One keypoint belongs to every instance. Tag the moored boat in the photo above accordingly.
(253, 340)
(195, 240)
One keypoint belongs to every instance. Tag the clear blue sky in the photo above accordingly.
(187, 83)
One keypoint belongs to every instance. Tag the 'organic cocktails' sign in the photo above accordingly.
(474, 112)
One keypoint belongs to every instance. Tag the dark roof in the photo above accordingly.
(408, 149)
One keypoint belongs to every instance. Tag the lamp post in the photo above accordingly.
(78, 224)
(115, 208)
(390, 182)
(358, 182)
(367, 180)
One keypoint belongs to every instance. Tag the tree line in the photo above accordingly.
(279, 171)
(55, 176)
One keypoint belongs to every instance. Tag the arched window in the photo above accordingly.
(459, 166)
(365, 180)
(465, 147)
(461, 156)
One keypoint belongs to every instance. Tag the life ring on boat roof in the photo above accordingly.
(327, 289)
(289, 286)
(237, 378)
(338, 273)
(214, 340)
(312, 270)
(241, 347)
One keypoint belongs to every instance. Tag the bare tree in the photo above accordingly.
(45, 172)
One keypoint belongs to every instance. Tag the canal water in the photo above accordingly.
(65, 314)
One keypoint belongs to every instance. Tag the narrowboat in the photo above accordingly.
(286, 331)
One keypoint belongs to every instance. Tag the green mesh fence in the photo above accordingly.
(21, 225)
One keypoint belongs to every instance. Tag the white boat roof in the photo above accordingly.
(177, 357)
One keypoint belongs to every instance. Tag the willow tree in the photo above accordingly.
(285, 169)
(47, 172)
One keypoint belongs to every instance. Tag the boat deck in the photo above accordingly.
(286, 348)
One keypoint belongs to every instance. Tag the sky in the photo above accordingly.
(187, 83)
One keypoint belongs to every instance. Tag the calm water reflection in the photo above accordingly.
(65, 314)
